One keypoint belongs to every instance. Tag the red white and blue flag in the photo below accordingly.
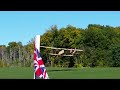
(39, 67)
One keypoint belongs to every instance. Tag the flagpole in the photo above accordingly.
(37, 45)
(34, 74)
(37, 42)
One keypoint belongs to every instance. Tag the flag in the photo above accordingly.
(39, 67)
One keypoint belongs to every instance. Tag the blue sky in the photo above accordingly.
(24, 25)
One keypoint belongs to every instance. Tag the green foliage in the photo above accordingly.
(78, 65)
(115, 55)
(3, 63)
(15, 62)
(28, 63)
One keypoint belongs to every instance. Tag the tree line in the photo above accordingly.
(100, 45)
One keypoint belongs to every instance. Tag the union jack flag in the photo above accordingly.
(39, 67)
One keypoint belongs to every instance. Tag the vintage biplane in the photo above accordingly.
(62, 51)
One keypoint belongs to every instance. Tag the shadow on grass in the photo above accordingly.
(61, 70)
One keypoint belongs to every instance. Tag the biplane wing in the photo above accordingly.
(58, 54)
(61, 48)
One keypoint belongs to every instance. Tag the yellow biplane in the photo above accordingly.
(63, 51)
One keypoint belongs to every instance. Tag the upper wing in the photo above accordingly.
(61, 48)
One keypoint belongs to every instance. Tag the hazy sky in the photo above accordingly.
(24, 25)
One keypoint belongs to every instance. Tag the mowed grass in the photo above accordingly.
(61, 73)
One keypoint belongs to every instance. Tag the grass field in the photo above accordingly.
(62, 73)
